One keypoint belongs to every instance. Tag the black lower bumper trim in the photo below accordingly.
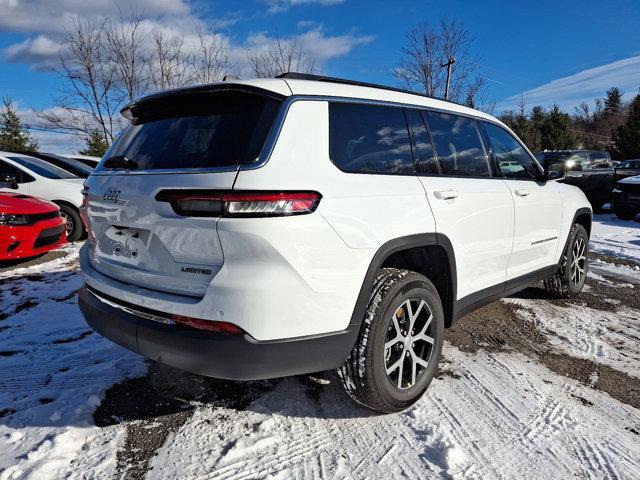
(219, 355)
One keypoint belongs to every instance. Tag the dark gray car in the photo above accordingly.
(590, 170)
(628, 168)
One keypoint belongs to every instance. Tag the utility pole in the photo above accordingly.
(449, 64)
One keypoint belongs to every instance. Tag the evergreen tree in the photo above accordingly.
(613, 101)
(95, 144)
(626, 137)
(13, 134)
(556, 132)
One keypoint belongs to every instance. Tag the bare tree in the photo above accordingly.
(427, 48)
(91, 99)
(170, 62)
(128, 55)
(211, 59)
(283, 56)
(108, 63)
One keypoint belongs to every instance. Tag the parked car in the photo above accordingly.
(86, 159)
(41, 179)
(628, 168)
(302, 239)
(29, 226)
(74, 167)
(626, 198)
(589, 170)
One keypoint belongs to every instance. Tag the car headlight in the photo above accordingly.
(617, 190)
(11, 219)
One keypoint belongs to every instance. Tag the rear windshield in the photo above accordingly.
(42, 168)
(202, 130)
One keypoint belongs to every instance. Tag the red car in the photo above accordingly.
(29, 226)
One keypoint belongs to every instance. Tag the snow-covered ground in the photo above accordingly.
(616, 237)
(555, 407)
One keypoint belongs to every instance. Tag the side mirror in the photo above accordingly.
(8, 181)
(555, 175)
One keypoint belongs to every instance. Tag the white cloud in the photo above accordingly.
(316, 43)
(583, 86)
(47, 16)
(40, 51)
(278, 6)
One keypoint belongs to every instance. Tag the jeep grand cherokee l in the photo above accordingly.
(276, 227)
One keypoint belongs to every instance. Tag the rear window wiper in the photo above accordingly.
(120, 161)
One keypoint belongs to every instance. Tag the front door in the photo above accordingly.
(22, 178)
(538, 205)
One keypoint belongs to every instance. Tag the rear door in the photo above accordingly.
(473, 209)
(188, 143)
(538, 205)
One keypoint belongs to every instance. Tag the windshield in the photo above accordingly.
(561, 161)
(42, 168)
(196, 131)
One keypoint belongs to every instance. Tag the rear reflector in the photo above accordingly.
(202, 203)
(208, 325)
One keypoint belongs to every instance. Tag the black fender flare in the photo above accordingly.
(396, 245)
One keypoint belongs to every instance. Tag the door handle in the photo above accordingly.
(522, 192)
(446, 194)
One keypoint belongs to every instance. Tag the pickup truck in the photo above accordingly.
(590, 170)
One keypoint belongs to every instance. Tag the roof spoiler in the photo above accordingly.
(129, 110)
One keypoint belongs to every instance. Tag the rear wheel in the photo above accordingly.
(399, 344)
(570, 277)
(73, 222)
(625, 214)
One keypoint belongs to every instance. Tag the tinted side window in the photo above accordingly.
(426, 162)
(458, 145)
(512, 158)
(8, 169)
(369, 139)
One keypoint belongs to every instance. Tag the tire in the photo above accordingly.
(381, 378)
(74, 223)
(625, 214)
(570, 277)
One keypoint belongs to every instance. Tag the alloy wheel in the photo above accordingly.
(409, 343)
(579, 261)
(68, 223)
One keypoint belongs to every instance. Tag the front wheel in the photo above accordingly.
(399, 345)
(570, 277)
(72, 221)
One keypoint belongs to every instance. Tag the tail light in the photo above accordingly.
(202, 203)
(208, 325)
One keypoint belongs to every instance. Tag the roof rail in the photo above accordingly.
(344, 81)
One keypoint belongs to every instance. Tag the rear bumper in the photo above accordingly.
(233, 357)
(624, 201)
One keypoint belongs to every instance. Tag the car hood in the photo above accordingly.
(25, 204)
(633, 180)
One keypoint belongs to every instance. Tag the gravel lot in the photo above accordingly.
(529, 387)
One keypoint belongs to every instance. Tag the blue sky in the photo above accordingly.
(548, 51)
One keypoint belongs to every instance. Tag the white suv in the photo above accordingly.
(283, 226)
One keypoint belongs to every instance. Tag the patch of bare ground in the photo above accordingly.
(597, 295)
(499, 327)
(47, 257)
(618, 261)
(157, 405)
